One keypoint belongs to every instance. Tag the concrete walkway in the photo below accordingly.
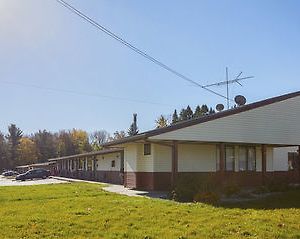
(120, 189)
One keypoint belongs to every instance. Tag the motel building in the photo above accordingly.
(248, 145)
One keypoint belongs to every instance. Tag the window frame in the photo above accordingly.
(147, 149)
(225, 158)
(247, 150)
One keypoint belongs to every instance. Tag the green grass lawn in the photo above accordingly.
(81, 210)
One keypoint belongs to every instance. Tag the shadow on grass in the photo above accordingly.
(283, 200)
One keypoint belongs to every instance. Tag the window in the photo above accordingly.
(113, 163)
(147, 149)
(292, 160)
(247, 158)
(229, 158)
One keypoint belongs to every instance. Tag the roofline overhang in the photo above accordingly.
(187, 123)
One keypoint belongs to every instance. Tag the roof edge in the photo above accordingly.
(203, 119)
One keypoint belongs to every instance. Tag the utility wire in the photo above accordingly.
(81, 93)
(132, 47)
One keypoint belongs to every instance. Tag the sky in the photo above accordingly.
(58, 72)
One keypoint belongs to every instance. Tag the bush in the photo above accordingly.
(231, 188)
(187, 186)
(207, 197)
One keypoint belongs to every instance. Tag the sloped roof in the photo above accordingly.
(94, 153)
(191, 122)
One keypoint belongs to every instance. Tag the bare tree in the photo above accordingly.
(98, 138)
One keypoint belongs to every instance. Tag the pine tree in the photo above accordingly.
(175, 118)
(133, 129)
(189, 112)
(198, 113)
(211, 111)
(14, 136)
(161, 122)
(204, 109)
(183, 115)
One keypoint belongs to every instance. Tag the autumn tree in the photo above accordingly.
(14, 136)
(80, 139)
(117, 135)
(65, 143)
(27, 151)
(161, 122)
(98, 138)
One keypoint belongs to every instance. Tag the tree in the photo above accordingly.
(3, 152)
(161, 122)
(133, 129)
(46, 145)
(204, 109)
(189, 112)
(65, 143)
(183, 115)
(211, 111)
(198, 112)
(175, 118)
(98, 138)
(27, 152)
(118, 135)
(80, 139)
(13, 137)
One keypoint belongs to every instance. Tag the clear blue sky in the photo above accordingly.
(45, 45)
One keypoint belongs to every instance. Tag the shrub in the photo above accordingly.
(207, 197)
(231, 188)
(187, 186)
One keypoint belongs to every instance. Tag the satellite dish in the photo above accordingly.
(219, 107)
(240, 100)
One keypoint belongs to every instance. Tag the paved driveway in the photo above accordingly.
(12, 182)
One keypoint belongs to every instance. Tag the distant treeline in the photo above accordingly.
(19, 149)
(184, 114)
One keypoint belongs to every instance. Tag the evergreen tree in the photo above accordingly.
(204, 109)
(211, 111)
(161, 122)
(183, 115)
(133, 129)
(175, 118)
(3, 152)
(189, 112)
(46, 145)
(198, 112)
(13, 137)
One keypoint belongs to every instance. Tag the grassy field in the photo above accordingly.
(85, 211)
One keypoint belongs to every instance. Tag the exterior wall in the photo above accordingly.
(253, 126)
(153, 172)
(162, 158)
(280, 158)
(197, 158)
(100, 168)
(104, 162)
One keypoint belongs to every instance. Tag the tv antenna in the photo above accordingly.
(227, 82)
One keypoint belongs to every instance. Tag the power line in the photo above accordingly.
(132, 47)
(81, 93)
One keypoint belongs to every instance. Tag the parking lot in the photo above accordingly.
(12, 182)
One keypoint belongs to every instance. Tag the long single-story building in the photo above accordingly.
(104, 166)
(248, 144)
(51, 166)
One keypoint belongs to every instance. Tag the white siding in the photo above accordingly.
(144, 162)
(280, 158)
(104, 162)
(162, 158)
(130, 158)
(277, 123)
(197, 158)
